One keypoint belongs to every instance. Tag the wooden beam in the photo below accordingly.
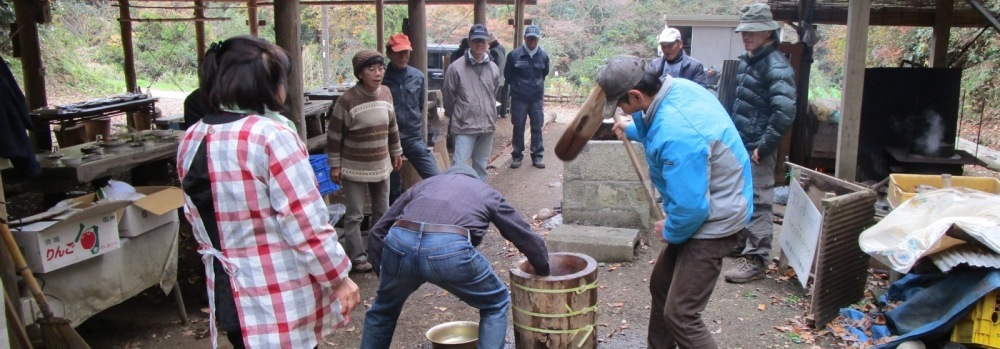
(32, 68)
(986, 13)
(518, 23)
(325, 42)
(199, 32)
(388, 2)
(941, 34)
(380, 26)
(125, 22)
(252, 17)
(197, 20)
(479, 12)
(287, 34)
(417, 31)
(853, 89)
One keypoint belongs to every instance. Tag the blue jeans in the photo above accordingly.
(411, 258)
(420, 158)
(476, 148)
(520, 112)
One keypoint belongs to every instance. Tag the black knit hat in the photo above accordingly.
(365, 58)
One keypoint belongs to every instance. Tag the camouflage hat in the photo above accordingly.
(617, 77)
(756, 18)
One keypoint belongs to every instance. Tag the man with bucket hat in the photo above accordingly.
(763, 111)
(674, 61)
(700, 167)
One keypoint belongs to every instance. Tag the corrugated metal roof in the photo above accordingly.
(702, 20)
(966, 254)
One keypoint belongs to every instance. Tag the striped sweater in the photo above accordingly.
(362, 135)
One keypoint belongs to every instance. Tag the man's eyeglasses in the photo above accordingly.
(375, 68)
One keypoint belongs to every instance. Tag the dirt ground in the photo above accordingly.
(740, 316)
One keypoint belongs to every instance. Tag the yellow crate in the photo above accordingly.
(902, 187)
(982, 326)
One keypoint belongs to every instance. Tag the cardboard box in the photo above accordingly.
(81, 235)
(156, 209)
(902, 187)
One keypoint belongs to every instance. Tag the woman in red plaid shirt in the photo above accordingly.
(277, 278)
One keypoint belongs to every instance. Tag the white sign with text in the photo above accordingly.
(800, 232)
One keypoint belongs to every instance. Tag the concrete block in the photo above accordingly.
(603, 243)
(605, 203)
(605, 160)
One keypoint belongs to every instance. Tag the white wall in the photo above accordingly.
(712, 45)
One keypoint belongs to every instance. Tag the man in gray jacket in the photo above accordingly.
(470, 85)
(763, 112)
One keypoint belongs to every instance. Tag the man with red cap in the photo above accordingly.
(407, 86)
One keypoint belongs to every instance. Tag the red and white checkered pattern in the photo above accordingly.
(275, 236)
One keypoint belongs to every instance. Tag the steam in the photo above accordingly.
(929, 143)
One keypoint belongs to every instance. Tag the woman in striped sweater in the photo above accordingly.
(362, 146)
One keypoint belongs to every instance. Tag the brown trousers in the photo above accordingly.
(675, 313)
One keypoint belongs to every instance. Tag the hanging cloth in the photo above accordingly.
(14, 125)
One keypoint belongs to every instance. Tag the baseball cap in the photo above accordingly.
(479, 32)
(399, 42)
(619, 75)
(532, 31)
(670, 35)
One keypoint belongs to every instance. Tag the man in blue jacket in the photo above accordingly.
(525, 72)
(701, 169)
(406, 84)
(674, 62)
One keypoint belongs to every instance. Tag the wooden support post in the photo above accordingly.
(199, 30)
(252, 17)
(125, 17)
(7, 272)
(325, 37)
(418, 58)
(380, 25)
(287, 33)
(518, 23)
(32, 68)
(479, 12)
(858, 14)
(942, 33)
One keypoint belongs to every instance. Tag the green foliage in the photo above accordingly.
(164, 48)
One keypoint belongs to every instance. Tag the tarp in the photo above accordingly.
(919, 226)
(933, 303)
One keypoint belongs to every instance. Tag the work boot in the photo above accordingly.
(748, 268)
(538, 163)
(736, 252)
(516, 163)
(361, 267)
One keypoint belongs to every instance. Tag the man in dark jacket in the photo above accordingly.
(763, 112)
(430, 235)
(499, 55)
(407, 86)
(674, 61)
(525, 72)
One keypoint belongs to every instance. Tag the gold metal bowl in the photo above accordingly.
(454, 335)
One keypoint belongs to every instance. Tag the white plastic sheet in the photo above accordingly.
(918, 227)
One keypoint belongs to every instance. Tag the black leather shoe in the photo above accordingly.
(538, 164)
(515, 163)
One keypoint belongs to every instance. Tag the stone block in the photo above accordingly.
(604, 244)
(605, 203)
(605, 160)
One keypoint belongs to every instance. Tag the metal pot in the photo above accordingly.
(454, 335)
